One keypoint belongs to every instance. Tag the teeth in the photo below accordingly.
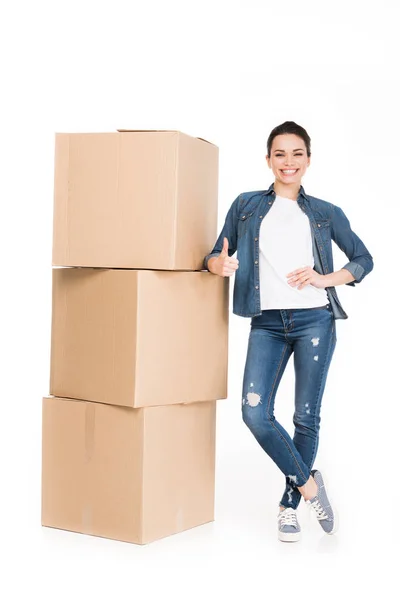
(289, 172)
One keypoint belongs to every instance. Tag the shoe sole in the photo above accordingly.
(289, 537)
(335, 522)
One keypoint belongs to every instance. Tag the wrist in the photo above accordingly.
(327, 280)
(210, 264)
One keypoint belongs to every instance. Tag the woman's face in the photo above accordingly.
(288, 160)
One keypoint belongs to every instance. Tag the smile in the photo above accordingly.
(289, 171)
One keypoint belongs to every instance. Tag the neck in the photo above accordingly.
(290, 190)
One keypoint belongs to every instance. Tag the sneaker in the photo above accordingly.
(288, 527)
(321, 506)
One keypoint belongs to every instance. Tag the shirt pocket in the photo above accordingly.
(324, 228)
(244, 221)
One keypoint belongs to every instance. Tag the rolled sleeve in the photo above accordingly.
(356, 270)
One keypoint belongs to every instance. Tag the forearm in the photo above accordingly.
(338, 278)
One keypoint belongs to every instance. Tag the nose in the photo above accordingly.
(289, 160)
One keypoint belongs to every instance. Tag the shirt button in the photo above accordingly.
(319, 224)
(255, 239)
(261, 216)
(256, 287)
(270, 202)
(320, 247)
(256, 262)
(243, 217)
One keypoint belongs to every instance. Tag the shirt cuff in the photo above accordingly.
(356, 270)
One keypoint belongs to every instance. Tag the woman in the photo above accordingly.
(285, 282)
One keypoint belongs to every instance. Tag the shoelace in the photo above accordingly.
(288, 517)
(319, 510)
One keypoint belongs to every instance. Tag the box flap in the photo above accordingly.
(147, 130)
(162, 131)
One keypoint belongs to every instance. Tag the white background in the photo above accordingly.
(228, 72)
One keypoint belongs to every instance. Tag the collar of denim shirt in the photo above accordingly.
(300, 198)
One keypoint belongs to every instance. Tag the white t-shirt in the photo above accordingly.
(286, 245)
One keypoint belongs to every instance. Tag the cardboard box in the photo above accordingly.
(134, 199)
(133, 475)
(139, 338)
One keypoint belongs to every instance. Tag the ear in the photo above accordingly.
(268, 161)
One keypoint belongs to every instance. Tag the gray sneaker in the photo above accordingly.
(288, 526)
(321, 506)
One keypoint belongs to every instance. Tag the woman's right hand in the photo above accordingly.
(224, 265)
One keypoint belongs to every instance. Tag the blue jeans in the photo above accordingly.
(310, 333)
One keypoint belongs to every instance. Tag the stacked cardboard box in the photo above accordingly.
(139, 346)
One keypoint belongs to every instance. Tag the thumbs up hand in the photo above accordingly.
(224, 265)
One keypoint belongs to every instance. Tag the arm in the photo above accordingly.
(229, 230)
(338, 278)
(360, 260)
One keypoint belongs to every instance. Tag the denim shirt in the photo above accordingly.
(327, 222)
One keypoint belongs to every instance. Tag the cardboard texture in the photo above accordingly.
(133, 475)
(139, 338)
(134, 199)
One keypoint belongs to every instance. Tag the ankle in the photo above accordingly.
(309, 489)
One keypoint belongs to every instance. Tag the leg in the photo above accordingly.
(267, 356)
(314, 341)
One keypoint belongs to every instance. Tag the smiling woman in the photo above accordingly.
(288, 157)
(286, 284)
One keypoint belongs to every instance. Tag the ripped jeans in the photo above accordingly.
(310, 333)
